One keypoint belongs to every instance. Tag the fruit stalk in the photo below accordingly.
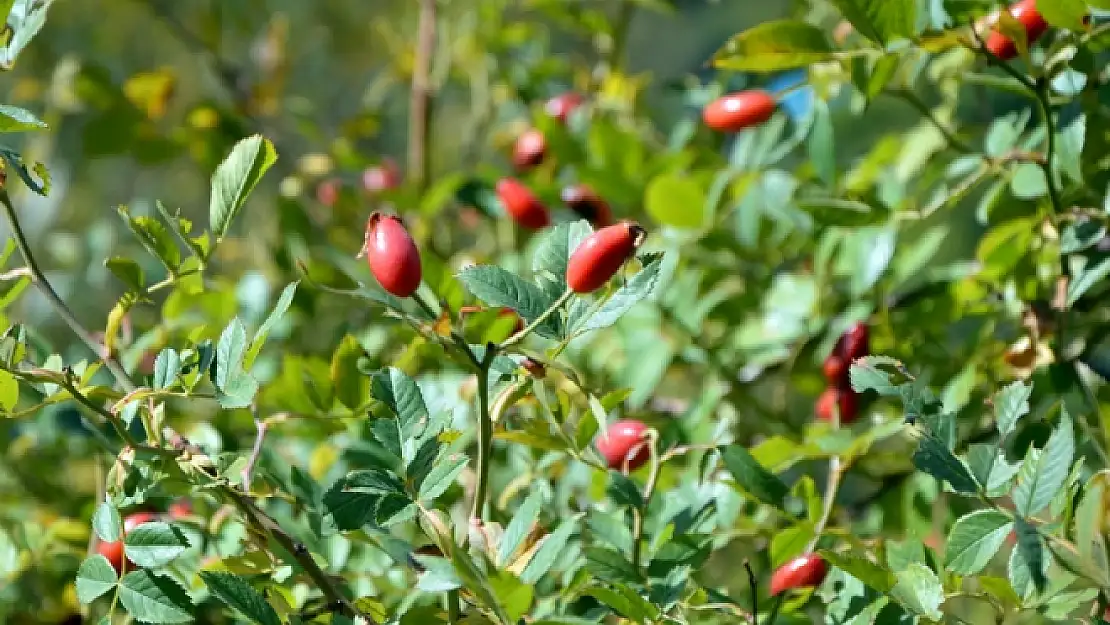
(649, 491)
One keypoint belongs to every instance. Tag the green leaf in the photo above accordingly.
(555, 248)
(153, 236)
(372, 482)
(94, 578)
(675, 200)
(106, 523)
(1089, 519)
(498, 287)
(551, 547)
(1086, 273)
(154, 598)
(9, 392)
(840, 212)
(438, 575)
(519, 527)
(625, 602)
(481, 195)
(129, 273)
(1010, 404)
(237, 386)
(1078, 236)
(974, 540)
(753, 477)
(610, 565)
(154, 544)
(1040, 481)
(1028, 562)
(990, 468)
(442, 476)
(513, 596)
(235, 178)
(236, 593)
(623, 491)
(14, 160)
(821, 145)
(773, 46)
(934, 457)
(790, 542)
(280, 308)
(1068, 14)
(15, 119)
(638, 288)
(346, 379)
(402, 396)
(166, 367)
(876, 373)
(919, 590)
(866, 571)
(881, 21)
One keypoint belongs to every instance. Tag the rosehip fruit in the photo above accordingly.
(378, 178)
(835, 370)
(392, 255)
(807, 571)
(601, 255)
(327, 192)
(522, 205)
(180, 509)
(736, 111)
(561, 106)
(1026, 13)
(530, 149)
(855, 343)
(833, 399)
(114, 551)
(504, 311)
(624, 444)
(582, 200)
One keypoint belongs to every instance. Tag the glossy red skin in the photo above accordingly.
(522, 205)
(530, 149)
(114, 551)
(736, 111)
(588, 205)
(806, 571)
(1035, 25)
(834, 397)
(835, 370)
(180, 509)
(383, 177)
(561, 106)
(505, 311)
(392, 255)
(327, 192)
(601, 255)
(624, 441)
(855, 343)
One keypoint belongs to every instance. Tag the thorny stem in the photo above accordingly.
(44, 287)
(638, 515)
(420, 104)
(520, 336)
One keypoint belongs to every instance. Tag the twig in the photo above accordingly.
(656, 464)
(913, 100)
(485, 435)
(420, 104)
(832, 486)
(753, 583)
(44, 287)
(260, 427)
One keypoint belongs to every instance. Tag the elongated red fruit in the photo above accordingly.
(601, 255)
(1030, 18)
(327, 192)
(530, 149)
(114, 551)
(392, 255)
(588, 205)
(624, 444)
(522, 205)
(504, 311)
(382, 177)
(736, 111)
(806, 571)
(835, 370)
(561, 106)
(855, 343)
(842, 399)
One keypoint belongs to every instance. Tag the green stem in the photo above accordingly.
(1050, 128)
(485, 437)
(457, 338)
(452, 599)
(520, 336)
(649, 491)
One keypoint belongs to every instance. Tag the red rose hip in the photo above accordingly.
(383, 177)
(327, 192)
(530, 149)
(835, 370)
(601, 255)
(806, 571)
(833, 399)
(392, 255)
(855, 343)
(588, 205)
(180, 509)
(624, 444)
(736, 111)
(114, 551)
(1026, 13)
(522, 205)
(561, 106)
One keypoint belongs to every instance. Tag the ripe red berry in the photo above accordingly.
(1030, 18)
(530, 149)
(834, 398)
(392, 255)
(736, 111)
(855, 343)
(624, 443)
(582, 200)
(114, 551)
(505, 311)
(180, 509)
(807, 571)
(836, 370)
(561, 106)
(522, 205)
(601, 255)
(327, 192)
(382, 177)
